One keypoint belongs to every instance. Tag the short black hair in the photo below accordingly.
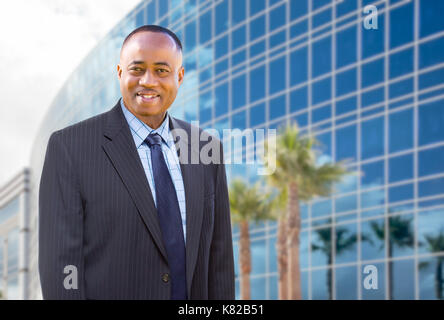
(154, 28)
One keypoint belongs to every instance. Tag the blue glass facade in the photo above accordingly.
(9, 250)
(374, 97)
(13, 237)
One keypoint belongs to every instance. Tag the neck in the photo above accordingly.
(153, 122)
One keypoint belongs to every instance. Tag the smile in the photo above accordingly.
(148, 96)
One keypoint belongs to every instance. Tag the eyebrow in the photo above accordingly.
(136, 62)
(160, 63)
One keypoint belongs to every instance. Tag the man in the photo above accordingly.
(120, 215)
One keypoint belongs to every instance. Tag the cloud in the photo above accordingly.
(43, 41)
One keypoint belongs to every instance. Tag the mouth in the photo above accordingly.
(148, 97)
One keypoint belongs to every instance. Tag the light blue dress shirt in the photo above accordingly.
(140, 132)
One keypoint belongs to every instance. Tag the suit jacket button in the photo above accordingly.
(165, 277)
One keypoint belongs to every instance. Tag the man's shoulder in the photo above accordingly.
(85, 128)
(204, 135)
(206, 143)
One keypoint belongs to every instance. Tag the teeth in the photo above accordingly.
(149, 96)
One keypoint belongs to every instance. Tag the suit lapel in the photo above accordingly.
(121, 150)
(193, 180)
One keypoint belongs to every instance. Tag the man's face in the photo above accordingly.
(150, 73)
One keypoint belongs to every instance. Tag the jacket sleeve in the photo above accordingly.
(60, 225)
(221, 265)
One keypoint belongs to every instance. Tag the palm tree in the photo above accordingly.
(400, 235)
(277, 205)
(297, 172)
(436, 244)
(247, 204)
(343, 242)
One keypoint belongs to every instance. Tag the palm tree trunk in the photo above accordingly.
(282, 257)
(293, 230)
(329, 278)
(438, 279)
(244, 260)
(390, 271)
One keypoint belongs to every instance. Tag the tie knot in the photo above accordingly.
(153, 139)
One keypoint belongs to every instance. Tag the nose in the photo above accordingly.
(148, 79)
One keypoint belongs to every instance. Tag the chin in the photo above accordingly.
(149, 111)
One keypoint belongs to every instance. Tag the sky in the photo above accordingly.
(41, 43)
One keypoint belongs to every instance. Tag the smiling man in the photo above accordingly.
(122, 215)
(149, 79)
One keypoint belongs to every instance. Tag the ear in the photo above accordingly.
(119, 71)
(181, 74)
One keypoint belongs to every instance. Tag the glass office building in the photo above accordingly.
(371, 93)
(14, 239)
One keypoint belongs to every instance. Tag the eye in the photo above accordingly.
(162, 70)
(137, 69)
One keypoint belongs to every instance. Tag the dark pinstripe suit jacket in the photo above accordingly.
(96, 212)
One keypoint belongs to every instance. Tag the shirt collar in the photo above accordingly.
(141, 130)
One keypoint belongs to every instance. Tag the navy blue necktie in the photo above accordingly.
(169, 218)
